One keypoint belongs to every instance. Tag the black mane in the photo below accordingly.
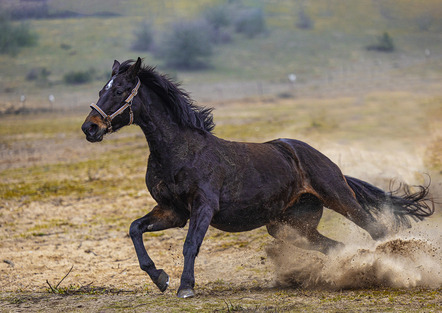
(178, 101)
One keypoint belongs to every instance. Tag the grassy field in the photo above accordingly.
(65, 202)
(332, 50)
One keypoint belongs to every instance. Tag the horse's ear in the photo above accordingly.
(132, 72)
(115, 67)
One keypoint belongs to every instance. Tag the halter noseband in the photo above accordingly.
(127, 104)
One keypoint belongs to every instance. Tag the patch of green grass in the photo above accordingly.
(231, 299)
(38, 230)
(377, 115)
(43, 190)
(78, 179)
(44, 126)
(83, 290)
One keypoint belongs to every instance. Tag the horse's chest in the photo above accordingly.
(168, 189)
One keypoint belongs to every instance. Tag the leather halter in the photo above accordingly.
(127, 104)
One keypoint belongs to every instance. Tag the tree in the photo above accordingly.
(13, 38)
(250, 22)
(304, 21)
(187, 45)
(384, 44)
(143, 37)
(218, 18)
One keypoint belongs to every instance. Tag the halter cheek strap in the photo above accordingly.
(127, 104)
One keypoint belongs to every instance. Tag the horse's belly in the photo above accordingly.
(236, 225)
(236, 217)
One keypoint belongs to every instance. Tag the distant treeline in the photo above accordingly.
(14, 37)
(39, 9)
(189, 44)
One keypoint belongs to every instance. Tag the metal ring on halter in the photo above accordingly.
(127, 104)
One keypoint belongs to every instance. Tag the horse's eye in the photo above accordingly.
(119, 92)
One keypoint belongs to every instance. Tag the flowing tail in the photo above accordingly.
(409, 204)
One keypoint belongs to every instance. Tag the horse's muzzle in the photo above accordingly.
(93, 132)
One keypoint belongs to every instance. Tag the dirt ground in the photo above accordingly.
(234, 272)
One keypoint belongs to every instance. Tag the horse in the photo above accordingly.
(199, 178)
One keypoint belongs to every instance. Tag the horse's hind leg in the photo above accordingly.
(157, 219)
(343, 201)
(303, 219)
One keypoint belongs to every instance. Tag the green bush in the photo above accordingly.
(13, 38)
(144, 37)
(29, 9)
(79, 77)
(40, 76)
(250, 22)
(384, 44)
(304, 21)
(187, 45)
(218, 16)
(424, 21)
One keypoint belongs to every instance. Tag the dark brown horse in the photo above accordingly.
(233, 186)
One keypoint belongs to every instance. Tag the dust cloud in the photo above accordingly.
(411, 258)
(404, 261)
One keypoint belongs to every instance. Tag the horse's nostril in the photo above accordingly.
(92, 129)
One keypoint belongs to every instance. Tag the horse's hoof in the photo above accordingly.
(163, 281)
(186, 293)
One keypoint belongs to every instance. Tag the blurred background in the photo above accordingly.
(218, 49)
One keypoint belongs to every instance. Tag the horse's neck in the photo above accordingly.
(168, 143)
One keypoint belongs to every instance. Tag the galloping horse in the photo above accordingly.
(233, 186)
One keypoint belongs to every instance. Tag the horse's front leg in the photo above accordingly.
(158, 219)
(200, 217)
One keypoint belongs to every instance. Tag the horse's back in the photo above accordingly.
(277, 171)
(255, 171)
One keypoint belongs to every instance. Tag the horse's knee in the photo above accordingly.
(135, 229)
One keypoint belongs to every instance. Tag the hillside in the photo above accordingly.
(328, 57)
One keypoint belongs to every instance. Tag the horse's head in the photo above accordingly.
(113, 109)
